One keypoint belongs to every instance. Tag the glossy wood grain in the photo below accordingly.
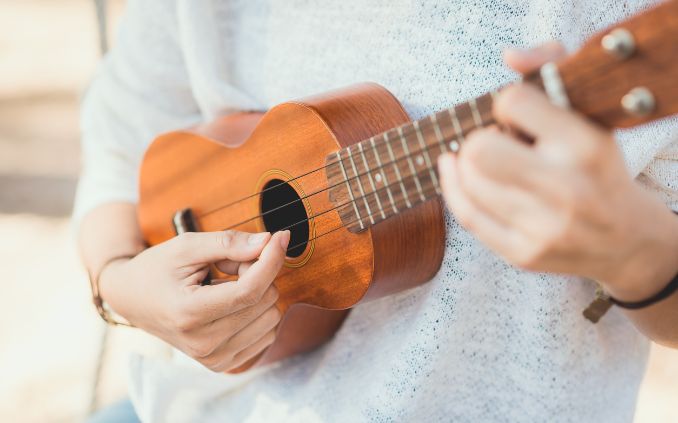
(596, 81)
(337, 270)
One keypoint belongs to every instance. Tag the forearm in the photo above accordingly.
(110, 230)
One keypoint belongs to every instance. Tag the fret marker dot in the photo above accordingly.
(420, 160)
(454, 146)
(377, 177)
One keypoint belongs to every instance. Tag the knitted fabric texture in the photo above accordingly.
(482, 341)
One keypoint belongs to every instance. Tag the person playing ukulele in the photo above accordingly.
(497, 334)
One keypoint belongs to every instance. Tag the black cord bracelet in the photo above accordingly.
(663, 294)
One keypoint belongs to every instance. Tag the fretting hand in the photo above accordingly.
(221, 325)
(564, 204)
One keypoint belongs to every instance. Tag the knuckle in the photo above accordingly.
(225, 238)
(273, 316)
(508, 98)
(271, 295)
(213, 363)
(185, 322)
(590, 157)
(249, 296)
(200, 350)
(240, 320)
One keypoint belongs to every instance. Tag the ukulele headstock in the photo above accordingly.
(628, 74)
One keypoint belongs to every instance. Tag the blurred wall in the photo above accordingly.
(50, 336)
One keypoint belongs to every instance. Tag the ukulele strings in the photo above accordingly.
(299, 244)
(363, 197)
(343, 181)
(379, 143)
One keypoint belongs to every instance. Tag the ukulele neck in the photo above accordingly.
(621, 77)
(394, 171)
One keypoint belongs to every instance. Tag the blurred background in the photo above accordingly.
(57, 362)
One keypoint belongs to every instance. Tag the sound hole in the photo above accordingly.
(282, 208)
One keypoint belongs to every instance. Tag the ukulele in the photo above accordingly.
(355, 181)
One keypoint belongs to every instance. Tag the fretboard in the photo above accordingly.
(394, 171)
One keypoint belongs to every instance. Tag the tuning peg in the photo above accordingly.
(619, 42)
(639, 102)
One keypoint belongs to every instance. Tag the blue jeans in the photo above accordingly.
(119, 412)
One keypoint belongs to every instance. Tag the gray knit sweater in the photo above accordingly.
(483, 341)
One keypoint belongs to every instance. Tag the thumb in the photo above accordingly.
(194, 248)
(527, 61)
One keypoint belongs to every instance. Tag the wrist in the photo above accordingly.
(107, 277)
(651, 264)
(109, 283)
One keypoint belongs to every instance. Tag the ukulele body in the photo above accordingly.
(230, 161)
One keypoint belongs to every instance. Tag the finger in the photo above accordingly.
(466, 212)
(527, 61)
(528, 109)
(212, 302)
(222, 357)
(503, 157)
(489, 231)
(257, 277)
(512, 205)
(196, 248)
(253, 350)
(244, 267)
(233, 323)
(231, 267)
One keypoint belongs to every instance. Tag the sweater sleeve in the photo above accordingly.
(140, 90)
(651, 153)
(661, 175)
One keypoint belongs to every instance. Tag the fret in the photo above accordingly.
(350, 191)
(439, 134)
(424, 150)
(474, 112)
(397, 171)
(369, 174)
(455, 145)
(485, 107)
(409, 161)
(383, 176)
(398, 167)
(360, 186)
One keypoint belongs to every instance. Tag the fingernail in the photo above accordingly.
(256, 239)
(284, 239)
